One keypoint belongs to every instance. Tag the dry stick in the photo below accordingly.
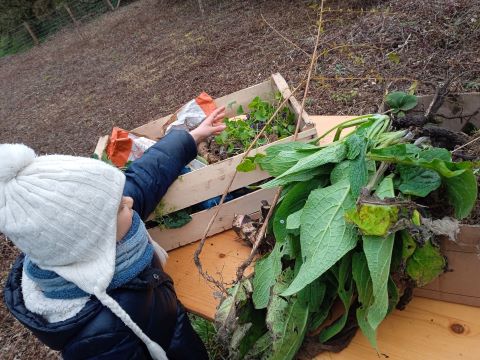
(285, 38)
(196, 257)
(312, 63)
(466, 144)
(263, 229)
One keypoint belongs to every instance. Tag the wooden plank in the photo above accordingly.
(323, 123)
(233, 101)
(101, 146)
(194, 230)
(284, 89)
(154, 129)
(221, 256)
(460, 284)
(211, 181)
(422, 331)
(464, 106)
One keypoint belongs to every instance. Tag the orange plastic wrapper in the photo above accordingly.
(119, 147)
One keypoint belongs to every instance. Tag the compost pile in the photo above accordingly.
(353, 231)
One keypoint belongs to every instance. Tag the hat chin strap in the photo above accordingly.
(155, 350)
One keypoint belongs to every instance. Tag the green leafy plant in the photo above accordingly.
(239, 133)
(173, 219)
(347, 224)
(401, 102)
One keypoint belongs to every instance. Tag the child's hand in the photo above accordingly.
(212, 125)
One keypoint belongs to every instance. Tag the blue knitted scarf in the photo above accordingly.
(134, 253)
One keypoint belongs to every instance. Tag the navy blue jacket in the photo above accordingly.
(95, 332)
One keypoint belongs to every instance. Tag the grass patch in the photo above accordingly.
(208, 334)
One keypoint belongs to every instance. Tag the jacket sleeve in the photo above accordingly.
(109, 346)
(148, 178)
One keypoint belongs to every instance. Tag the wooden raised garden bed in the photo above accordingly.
(459, 112)
(210, 181)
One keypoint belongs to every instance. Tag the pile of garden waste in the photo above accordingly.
(353, 230)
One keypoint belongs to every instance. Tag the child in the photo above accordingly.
(90, 281)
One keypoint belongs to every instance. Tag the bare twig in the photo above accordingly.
(312, 64)
(400, 47)
(196, 256)
(466, 144)
(261, 233)
(440, 93)
(284, 37)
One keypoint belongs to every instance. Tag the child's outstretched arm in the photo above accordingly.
(148, 178)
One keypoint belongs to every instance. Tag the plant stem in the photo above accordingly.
(344, 125)
(376, 178)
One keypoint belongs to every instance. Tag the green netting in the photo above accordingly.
(19, 39)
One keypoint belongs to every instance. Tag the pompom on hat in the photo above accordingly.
(62, 211)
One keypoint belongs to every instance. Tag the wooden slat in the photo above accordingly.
(284, 89)
(211, 181)
(233, 101)
(101, 146)
(460, 284)
(221, 256)
(194, 230)
(323, 123)
(422, 331)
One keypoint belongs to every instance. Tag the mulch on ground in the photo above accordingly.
(146, 59)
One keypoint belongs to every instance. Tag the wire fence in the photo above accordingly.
(36, 30)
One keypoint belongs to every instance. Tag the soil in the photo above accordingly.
(146, 59)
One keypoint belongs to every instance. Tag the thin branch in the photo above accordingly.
(263, 229)
(284, 37)
(196, 256)
(466, 144)
(400, 47)
(312, 64)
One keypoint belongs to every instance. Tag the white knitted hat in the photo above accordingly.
(62, 212)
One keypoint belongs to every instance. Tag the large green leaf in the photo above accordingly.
(418, 181)
(361, 275)
(405, 154)
(340, 172)
(297, 177)
(343, 170)
(343, 273)
(261, 346)
(462, 193)
(325, 237)
(358, 173)
(293, 220)
(458, 177)
(400, 101)
(286, 319)
(425, 264)
(330, 154)
(267, 270)
(292, 202)
(281, 157)
(378, 252)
